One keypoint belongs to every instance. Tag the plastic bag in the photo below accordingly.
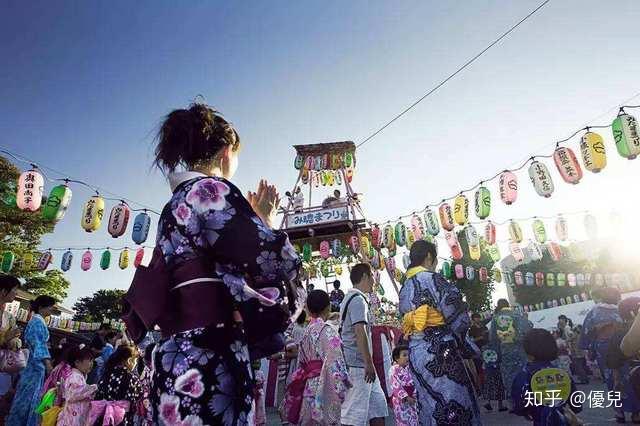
(48, 399)
(50, 416)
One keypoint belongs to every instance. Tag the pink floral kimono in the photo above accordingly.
(319, 385)
(77, 395)
(401, 387)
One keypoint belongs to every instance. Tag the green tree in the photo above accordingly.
(52, 283)
(20, 231)
(102, 305)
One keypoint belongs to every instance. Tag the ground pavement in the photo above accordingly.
(590, 416)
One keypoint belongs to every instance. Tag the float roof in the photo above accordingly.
(326, 148)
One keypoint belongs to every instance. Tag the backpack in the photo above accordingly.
(346, 307)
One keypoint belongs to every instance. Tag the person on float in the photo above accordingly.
(435, 321)
(36, 336)
(230, 273)
(508, 328)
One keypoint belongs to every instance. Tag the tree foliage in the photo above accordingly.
(477, 294)
(52, 283)
(102, 305)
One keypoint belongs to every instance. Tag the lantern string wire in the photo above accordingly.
(97, 248)
(460, 69)
(41, 167)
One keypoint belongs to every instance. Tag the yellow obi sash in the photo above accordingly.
(423, 317)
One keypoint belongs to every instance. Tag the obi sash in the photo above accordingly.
(422, 317)
(295, 390)
(113, 412)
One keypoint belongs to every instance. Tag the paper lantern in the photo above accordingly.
(490, 233)
(336, 248)
(365, 246)
(376, 236)
(306, 252)
(30, 190)
(497, 275)
(354, 244)
(401, 234)
(515, 232)
(461, 209)
(317, 163)
(591, 226)
(576, 298)
(309, 163)
(551, 279)
(472, 241)
(305, 176)
(580, 280)
(92, 213)
(123, 260)
(410, 239)
(529, 279)
(8, 259)
(45, 260)
(431, 222)
(594, 156)
(599, 280)
(539, 231)
(324, 269)
(388, 237)
(349, 174)
(494, 252)
(446, 270)
(446, 217)
(470, 273)
(390, 264)
(483, 202)
(539, 279)
(338, 269)
(516, 251)
(483, 274)
(567, 165)
(57, 203)
(27, 261)
(105, 260)
(406, 261)
(518, 278)
(348, 159)
(561, 279)
(541, 179)
(572, 280)
(508, 185)
(554, 250)
(118, 220)
(535, 251)
(67, 258)
(417, 227)
(562, 228)
(454, 245)
(324, 249)
(141, 226)
(626, 135)
(85, 262)
(298, 162)
(459, 270)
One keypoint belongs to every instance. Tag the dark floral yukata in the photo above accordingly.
(121, 384)
(208, 217)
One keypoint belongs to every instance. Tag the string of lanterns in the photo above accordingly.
(626, 135)
(45, 259)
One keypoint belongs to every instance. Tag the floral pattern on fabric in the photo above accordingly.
(120, 384)
(323, 395)
(444, 390)
(208, 217)
(401, 383)
(77, 396)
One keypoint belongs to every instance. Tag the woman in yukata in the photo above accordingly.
(233, 309)
(319, 385)
(436, 320)
(508, 328)
(36, 336)
(76, 393)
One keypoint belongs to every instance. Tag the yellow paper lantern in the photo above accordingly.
(92, 213)
(593, 152)
(515, 232)
(123, 261)
(461, 209)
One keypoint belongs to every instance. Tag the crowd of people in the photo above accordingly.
(221, 290)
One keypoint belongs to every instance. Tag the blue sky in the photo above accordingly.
(84, 86)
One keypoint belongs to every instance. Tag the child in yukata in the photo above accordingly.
(541, 349)
(76, 393)
(402, 389)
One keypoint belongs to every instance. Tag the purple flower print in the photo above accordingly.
(168, 410)
(182, 213)
(208, 194)
(190, 383)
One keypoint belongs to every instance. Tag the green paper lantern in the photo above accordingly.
(57, 203)
(324, 269)
(626, 136)
(306, 252)
(483, 202)
(8, 258)
(551, 279)
(401, 234)
(494, 252)
(539, 231)
(105, 260)
(446, 270)
(497, 275)
(561, 279)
